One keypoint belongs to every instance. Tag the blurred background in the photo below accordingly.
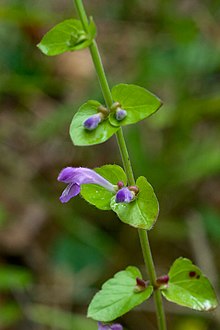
(54, 257)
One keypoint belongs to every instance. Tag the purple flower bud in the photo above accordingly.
(140, 282)
(115, 326)
(120, 114)
(120, 184)
(162, 281)
(124, 195)
(92, 122)
(75, 176)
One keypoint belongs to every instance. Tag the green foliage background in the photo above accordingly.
(54, 257)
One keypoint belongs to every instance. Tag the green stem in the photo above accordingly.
(82, 14)
(127, 166)
(145, 244)
(95, 56)
(101, 73)
(125, 157)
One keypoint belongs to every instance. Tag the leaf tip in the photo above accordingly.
(39, 45)
(208, 306)
(88, 314)
(160, 103)
(42, 48)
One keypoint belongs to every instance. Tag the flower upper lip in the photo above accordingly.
(75, 176)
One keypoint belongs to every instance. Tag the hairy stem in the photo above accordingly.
(95, 56)
(145, 244)
(127, 166)
(125, 157)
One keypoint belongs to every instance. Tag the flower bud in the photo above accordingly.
(124, 195)
(120, 114)
(115, 326)
(92, 122)
(141, 285)
(162, 281)
(120, 184)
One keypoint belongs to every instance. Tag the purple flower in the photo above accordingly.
(115, 326)
(75, 176)
(120, 114)
(92, 122)
(124, 195)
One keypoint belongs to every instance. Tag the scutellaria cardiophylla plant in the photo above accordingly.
(112, 187)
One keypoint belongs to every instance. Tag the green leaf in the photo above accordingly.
(189, 287)
(143, 211)
(14, 278)
(66, 36)
(137, 101)
(10, 314)
(118, 296)
(82, 137)
(99, 196)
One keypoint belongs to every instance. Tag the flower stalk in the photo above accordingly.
(127, 165)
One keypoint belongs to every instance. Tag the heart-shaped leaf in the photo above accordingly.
(118, 296)
(82, 137)
(143, 211)
(99, 196)
(67, 36)
(137, 101)
(189, 287)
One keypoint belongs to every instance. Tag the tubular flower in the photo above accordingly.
(92, 122)
(115, 326)
(75, 176)
(120, 114)
(124, 195)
